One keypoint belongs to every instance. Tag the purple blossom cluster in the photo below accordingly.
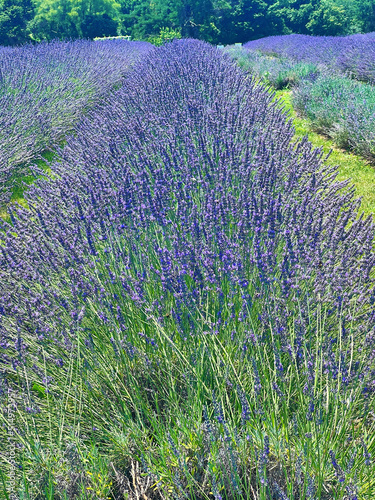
(183, 186)
(353, 54)
(45, 88)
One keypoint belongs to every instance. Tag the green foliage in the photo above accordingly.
(240, 21)
(198, 19)
(368, 15)
(330, 18)
(143, 19)
(165, 35)
(73, 18)
(216, 21)
(14, 16)
(327, 17)
(98, 25)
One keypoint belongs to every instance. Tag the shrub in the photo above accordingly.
(358, 61)
(341, 108)
(278, 72)
(44, 91)
(353, 53)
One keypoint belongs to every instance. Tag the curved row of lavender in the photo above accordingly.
(45, 88)
(353, 54)
(184, 197)
(318, 69)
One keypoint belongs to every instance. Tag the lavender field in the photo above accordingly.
(187, 298)
(353, 54)
(331, 79)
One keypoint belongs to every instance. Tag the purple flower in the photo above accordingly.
(366, 454)
(339, 472)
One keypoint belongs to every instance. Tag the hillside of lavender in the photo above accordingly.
(331, 78)
(187, 302)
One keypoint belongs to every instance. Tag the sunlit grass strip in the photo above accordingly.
(351, 166)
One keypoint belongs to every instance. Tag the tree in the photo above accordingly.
(297, 13)
(330, 18)
(98, 25)
(327, 17)
(363, 15)
(69, 18)
(144, 18)
(52, 20)
(14, 16)
(165, 35)
(243, 20)
(197, 19)
(216, 21)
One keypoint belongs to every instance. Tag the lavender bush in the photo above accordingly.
(341, 108)
(187, 304)
(45, 88)
(278, 72)
(322, 72)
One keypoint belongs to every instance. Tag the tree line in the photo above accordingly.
(216, 21)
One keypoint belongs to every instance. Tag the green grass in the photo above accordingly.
(351, 166)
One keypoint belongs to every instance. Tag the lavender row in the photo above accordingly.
(358, 60)
(318, 69)
(341, 108)
(278, 72)
(44, 89)
(185, 197)
(191, 151)
(352, 54)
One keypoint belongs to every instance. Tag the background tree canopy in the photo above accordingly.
(216, 21)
